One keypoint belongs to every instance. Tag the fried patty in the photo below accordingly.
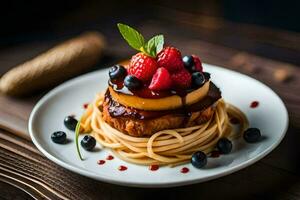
(140, 123)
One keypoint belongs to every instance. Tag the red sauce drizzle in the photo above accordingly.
(85, 105)
(122, 168)
(153, 167)
(109, 157)
(254, 104)
(234, 120)
(215, 154)
(184, 170)
(100, 162)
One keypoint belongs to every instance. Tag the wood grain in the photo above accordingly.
(30, 169)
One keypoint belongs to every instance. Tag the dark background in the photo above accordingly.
(27, 22)
(23, 21)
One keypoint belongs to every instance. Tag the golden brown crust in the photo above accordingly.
(139, 128)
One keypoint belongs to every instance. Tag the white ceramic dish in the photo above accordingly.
(270, 117)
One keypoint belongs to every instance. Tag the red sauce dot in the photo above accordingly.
(109, 157)
(85, 105)
(234, 120)
(215, 154)
(153, 167)
(122, 168)
(254, 104)
(184, 170)
(100, 162)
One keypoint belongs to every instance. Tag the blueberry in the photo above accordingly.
(131, 82)
(199, 159)
(88, 142)
(70, 122)
(198, 79)
(252, 135)
(59, 137)
(206, 75)
(189, 63)
(224, 145)
(117, 72)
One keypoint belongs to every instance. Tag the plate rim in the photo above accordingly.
(109, 179)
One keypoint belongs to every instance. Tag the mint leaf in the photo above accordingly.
(137, 41)
(154, 45)
(132, 36)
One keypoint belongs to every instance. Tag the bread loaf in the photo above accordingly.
(54, 66)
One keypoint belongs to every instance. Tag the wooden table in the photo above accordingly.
(256, 51)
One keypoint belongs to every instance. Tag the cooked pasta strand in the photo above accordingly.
(167, 147)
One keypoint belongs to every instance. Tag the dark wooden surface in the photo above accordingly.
(10, 192)
(253, 50)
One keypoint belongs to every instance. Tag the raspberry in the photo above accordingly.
(182, 79)
(161, 80)
(170, 58)
(142, 66)
(198, 64)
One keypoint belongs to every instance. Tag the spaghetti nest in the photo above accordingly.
(166, 147)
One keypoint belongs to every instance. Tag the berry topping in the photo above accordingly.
(224, 145)
(206, 75)
(199, 159)
(161, 80)
(198, 79)
(59, 137)
(198, 64)
(170, 58)
(142, 66)
(117, 72)
(88, 142)
(252, 135)
(188, 62)
(156, 68)
(192, 63)
(181, 79)
(70, 122)
(132, 82)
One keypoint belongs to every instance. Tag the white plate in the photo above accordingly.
(270, 117)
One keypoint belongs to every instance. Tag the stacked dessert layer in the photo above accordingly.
(152, 94)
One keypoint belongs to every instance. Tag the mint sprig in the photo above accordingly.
(77, 132)
(137, 41)
(132, 36)
(154, 45)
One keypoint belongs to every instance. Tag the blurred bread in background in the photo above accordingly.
(62, 62)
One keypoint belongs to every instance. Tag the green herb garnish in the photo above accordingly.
(137, 41)
(77, 132)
